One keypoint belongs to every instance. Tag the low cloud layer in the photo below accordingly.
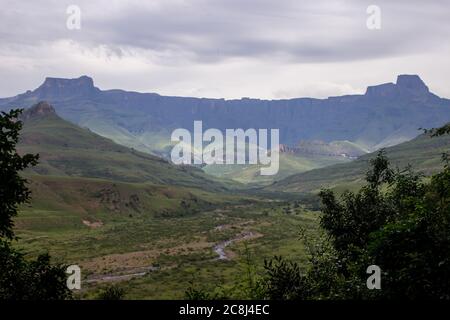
(225, 48)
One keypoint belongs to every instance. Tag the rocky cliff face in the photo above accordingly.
(57, 87)
(41, 109)
(407, 86)
(412, 83)
(384, 113)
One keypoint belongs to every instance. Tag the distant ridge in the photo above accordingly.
(386, 114)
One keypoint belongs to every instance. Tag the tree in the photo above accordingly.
(396, 221)
(21, 278)
(13, 190)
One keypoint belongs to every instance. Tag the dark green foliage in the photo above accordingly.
(284, 280)
(350, 221)
(21, 279)
(441, 131)
(13, 191)
(397, 222)
(196, 294)
(112, 292)
(414, 248)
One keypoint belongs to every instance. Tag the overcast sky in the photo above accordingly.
(225, 48)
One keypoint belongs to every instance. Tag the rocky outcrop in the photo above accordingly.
(41, 109)
(405, 85)
(57, 87)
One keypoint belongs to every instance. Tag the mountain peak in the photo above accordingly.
(39, 110)
(52, 87)
(406, 84)
(411, 82)
(83, 81)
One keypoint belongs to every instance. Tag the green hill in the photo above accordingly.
(422, 153)
(68, 150)
(289, 164)
(84, 177)
(305, 156)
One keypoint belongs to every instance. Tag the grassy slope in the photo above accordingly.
(68, 150)
(158, 143)
(93, 199)
(422, 153)
(307, 155)
(289, 164)
(83, 176)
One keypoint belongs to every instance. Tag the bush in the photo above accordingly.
(112, 292)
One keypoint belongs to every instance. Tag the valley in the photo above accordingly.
(133, 219)
(157, 257)
(114, 205)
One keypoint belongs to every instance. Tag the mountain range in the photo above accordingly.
(314, 133)
(385, 115)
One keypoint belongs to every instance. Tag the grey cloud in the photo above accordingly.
(184, 46)
(308, 32)
(302, 31)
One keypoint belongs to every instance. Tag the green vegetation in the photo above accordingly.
(97, 198)
(150, 236)
(154, 257)
(112, 292)
(403, 230)
(21, 279)
(68, 150)
(13, 191)
(289, 164)
(396, 223)
(422, 153)
(140, 228)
